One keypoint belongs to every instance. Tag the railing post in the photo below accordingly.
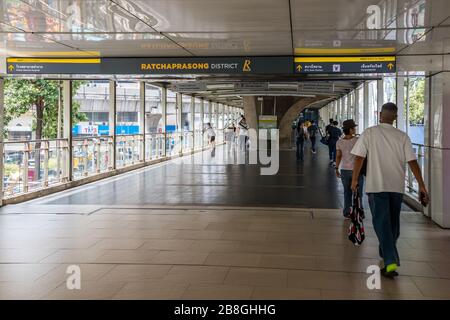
(46, 154)
(26, 155)
(97, 160)
(85, 158)
(2, 147)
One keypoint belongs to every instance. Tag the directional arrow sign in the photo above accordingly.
(367, 64)
(11, 67)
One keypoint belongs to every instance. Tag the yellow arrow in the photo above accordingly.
(299, 67)
(390, 66)
(11, 67)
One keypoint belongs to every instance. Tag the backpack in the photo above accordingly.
(356, 233)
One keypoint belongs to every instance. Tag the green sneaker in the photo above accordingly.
(390, 271)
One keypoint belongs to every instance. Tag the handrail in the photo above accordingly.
(35, 141)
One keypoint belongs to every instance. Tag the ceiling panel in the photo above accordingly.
(122, 44)
(72, 16)
(437, 41)
(27, 44)
(242, 43)
(216, 15)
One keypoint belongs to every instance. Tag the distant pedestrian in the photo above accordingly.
(301, 137)
(312, 132)
(334, 133)
(243, 133)
(387, 150)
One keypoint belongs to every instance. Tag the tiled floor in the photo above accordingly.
(174, 253)
(210, 230)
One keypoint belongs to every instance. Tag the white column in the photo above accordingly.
(2, 111)
(112, 121)
(141, 119)
(437, 128)
(380, 96)
(202, 119)
(366, 104)
(400, 97)
(164, 117)
(192, 121)
(67, 130)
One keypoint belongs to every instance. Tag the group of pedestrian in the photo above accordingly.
(234, 134)
(381, 152)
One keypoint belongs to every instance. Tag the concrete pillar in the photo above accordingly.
(179, 112)
(2, 112)
(67, 129)
(192, 121)
(400, 99)
(141, 120)
(250, 112)
(437, 159)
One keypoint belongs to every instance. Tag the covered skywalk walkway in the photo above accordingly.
(106, 163)
(184, 230)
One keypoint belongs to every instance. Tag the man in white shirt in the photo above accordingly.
(387, 150)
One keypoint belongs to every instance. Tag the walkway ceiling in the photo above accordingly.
(183, 28)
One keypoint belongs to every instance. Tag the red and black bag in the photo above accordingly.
(356, 233)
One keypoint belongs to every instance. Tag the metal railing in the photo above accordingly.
(34, 164)
(154, 146)
(128, 149)
(91, 156)
(411, 183)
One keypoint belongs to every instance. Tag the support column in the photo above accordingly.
(164, 118)
(179, 111)
(141, 120)
(202, 120)
(192, 121)
(338, 110)
(112, 122)
(2, 116)
(437, 157)
(366, 104)
(67, 130)
(400, 99)
(380, 97)
(250, 113)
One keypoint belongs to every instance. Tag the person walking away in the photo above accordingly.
(229, 136)
(345, 162)
(243, 133)
(334, 133)
(302, 136)
(328, 126)
(387, 150)
(211, 135)
(312, 132)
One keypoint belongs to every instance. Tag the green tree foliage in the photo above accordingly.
(416, 100)
(41, 97)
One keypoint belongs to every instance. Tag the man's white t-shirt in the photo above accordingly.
(387, 150)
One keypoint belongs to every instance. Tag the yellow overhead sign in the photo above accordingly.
(345, 59)
(52, 60)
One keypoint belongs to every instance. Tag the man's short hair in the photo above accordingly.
(331, 120)
(335, 123)
(389, 107)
